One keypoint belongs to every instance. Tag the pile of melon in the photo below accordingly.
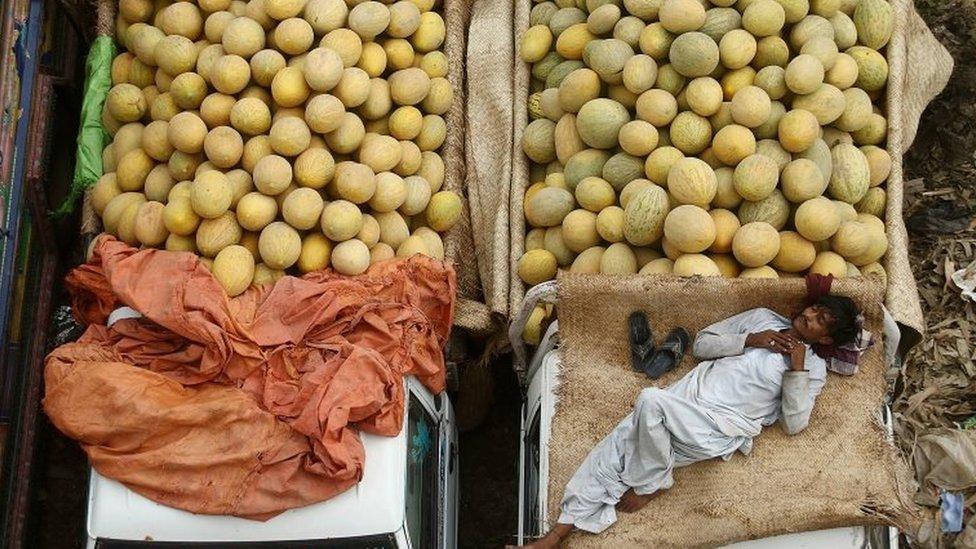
(271, 136)
(736, 138)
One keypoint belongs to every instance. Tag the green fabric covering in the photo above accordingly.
(92, 137)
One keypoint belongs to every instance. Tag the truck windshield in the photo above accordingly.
(421, 489)
(384, 541)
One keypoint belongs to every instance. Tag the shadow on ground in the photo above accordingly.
(488, 514)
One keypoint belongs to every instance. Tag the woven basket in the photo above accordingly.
(471, 313)
(912, 45)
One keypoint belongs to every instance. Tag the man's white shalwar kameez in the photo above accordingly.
(714, 410)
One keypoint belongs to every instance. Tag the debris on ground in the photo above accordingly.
(938, 389)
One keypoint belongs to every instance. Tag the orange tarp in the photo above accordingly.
(250, 405)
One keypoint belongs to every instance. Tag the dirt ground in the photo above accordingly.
(938, 387)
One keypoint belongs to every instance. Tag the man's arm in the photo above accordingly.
(799, 393)
(731, 336)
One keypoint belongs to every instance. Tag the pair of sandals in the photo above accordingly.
(655, 361)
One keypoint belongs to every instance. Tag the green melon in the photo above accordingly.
(644, 216)
(851, 174)
(599, 121)
(694, 54)
(875, 21)
(774, 209)
(586, 163)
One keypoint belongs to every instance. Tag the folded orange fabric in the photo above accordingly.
(250, 405)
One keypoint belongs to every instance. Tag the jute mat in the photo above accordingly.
(841, 471)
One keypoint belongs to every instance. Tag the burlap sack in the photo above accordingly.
(919, 69)
(489, 140)
(841, 471)
(459, 246)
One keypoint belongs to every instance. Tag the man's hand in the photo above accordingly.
(772, 340)
(630, 502)
(797, 353)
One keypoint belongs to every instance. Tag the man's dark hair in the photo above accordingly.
(845, 313)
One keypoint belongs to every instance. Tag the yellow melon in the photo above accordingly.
(689, 228)
(695, 265)
(755, 244)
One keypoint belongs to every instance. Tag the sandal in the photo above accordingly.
(641, 342)
(668, 355)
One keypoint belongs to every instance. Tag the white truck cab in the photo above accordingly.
(538, 408)
(407, 499)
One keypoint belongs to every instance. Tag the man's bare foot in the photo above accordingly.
(631, 502)
(549, 541)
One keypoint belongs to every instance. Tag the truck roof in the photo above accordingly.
(374, 506)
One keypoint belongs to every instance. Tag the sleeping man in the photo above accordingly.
(756, 368)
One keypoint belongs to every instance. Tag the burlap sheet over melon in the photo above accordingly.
(840, 471)
(471, 313)
(919, 69)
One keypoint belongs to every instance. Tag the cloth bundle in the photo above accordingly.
(244, 406)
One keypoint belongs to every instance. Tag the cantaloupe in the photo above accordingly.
(689, 228)
(621, 168)
(826, 103)
(694, 54)
(681, 16)
(692, 181)
(588, 261)
(872, 68)
(211, 194)
(644, 216)
(755, 177)
(802, 180)
(798, 129)
(695, 265)
(351, 257)
(804, 74)
(829, 263)
(756, 244)
(599, 121)
(733, 143)
(690, 132)
(873, 203)
(637, 138)
(817, 219)
(553, 242)
(851, 174)
(737, 48)
(725, 194)
(852, 239)
(255, 211)
(639, 73)
(661, 265)
(764, 271)
(874, 21)
(342, 220)
(618, 259)
(796, 253)
(537, 266)
(233, 268)
(750, 106)
(772, 80)
(579, 230)
(213, 235)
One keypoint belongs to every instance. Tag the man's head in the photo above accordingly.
(831, 321)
